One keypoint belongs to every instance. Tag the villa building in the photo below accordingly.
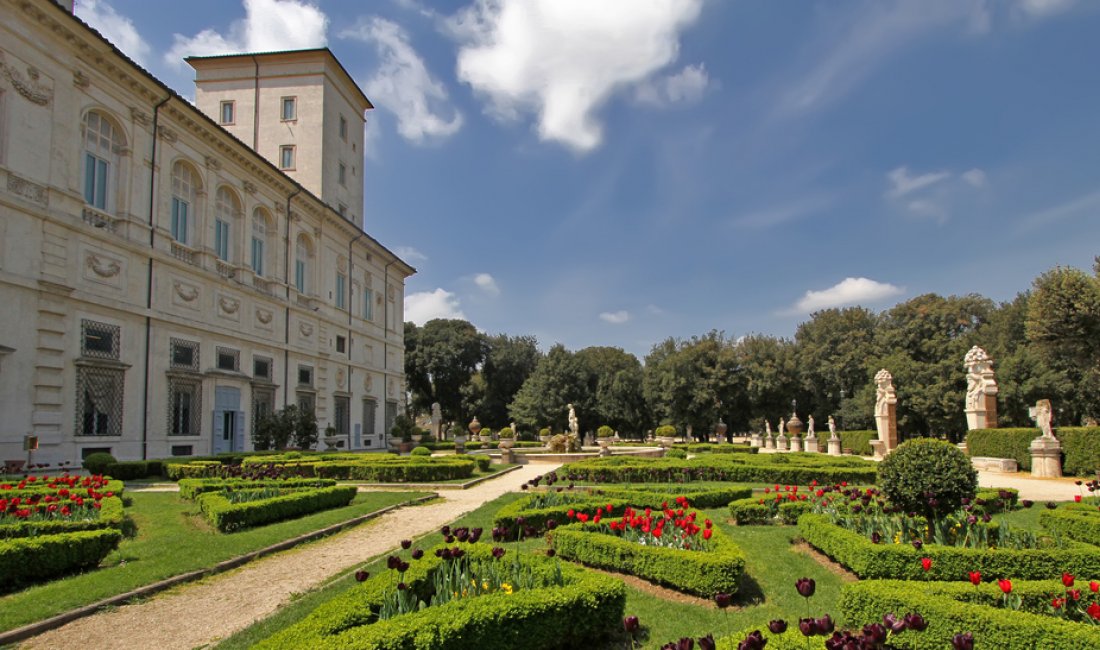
(171, 271)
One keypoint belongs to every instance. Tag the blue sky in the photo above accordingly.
(614, 172)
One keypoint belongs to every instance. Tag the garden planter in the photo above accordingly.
(506, 443)
(485, 438)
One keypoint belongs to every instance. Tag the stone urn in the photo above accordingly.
(506, 443)
(474, 426)
(485, 437)
(666, 441)
(720, 430)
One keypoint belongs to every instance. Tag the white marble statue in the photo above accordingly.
(1042, 413)
(768, 428)
(832, 426)
(810, 427)
(574, 426)
(782, 427)
(885, 395)
(979, 377)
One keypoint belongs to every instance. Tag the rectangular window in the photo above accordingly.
(229, 359)
(179, 220)
(368, 304)
(342, 174)
(221, 239)
(182, 450)
(342, 415)
(343, 129)
(95, 181)
(184, 406)
(286, 156)
(341, 291)
(227, 112)
(184, 354)
(257, 256)
(370, 408)
(306, 402)
(261, 368)
(263, 404)
(391, 415)
(341, 344)
(99, 340)
(300, 276)
(99, 401)
(305, 375)
(290, 108)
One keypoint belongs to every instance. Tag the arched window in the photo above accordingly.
(226, 209)
(303, 253)
(185, 187)
(102, 142)
(260, 226)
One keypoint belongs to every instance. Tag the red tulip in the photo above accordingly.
(707, 533)
(1094, 586)
(1067, 579)
(1005, 585)
(926, 563)
(975, 578)
(1094, 610)
(1077, 498)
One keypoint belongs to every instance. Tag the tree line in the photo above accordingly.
(1045, 344)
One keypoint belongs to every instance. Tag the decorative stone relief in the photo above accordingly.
(33, 192)
(228, 305)
(391, 387)
(185, 295)
(342, 264)
(168, 134)
(81, 80)
(103, 267)
(27, 84)
(264, 316)
(140, 116)
(341, 377)
(305, 329)
(368, 382)
(213, 163)
(249, 187)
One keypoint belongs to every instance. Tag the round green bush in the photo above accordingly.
(97, 463)
(605, 432)
(665, 431)
(421, 451)
(544, 432)
(927, 475)
(675, 453)
(506, 432)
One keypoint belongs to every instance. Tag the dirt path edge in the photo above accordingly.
(34, 629)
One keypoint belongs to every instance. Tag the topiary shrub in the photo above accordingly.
(97, 463)
(927, 475)
(421, 451)
(506, 432)
(544, 432)
(665, 431)
(605, 432)
(675, 453)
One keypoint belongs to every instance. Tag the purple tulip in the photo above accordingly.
(915, 622)
(962, 641)
(631, 624)
(805, 587)
(778, 626)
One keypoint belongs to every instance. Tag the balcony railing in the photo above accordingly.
(264, 286)
(183, 253)
(224, 269)
(98, 218)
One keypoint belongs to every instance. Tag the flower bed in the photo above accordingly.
(192, 487)
(869, 560)
(581, 607)
(27, 560)
(537, 510)
(744, 468)
(772, 510)
(48, 505)
(679, 553)
(951, 607)
(228, 516)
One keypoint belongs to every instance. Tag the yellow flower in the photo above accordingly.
(505, 587)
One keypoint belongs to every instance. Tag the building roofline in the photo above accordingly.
(217, 127)
(271, 53)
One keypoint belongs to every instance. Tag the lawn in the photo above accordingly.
(172, 538)
(767, 591)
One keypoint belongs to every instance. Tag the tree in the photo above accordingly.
(614, 379)
(509, 361)
(440, 358)
(832, 349)
(768, 365)
(692, 383)
(559, 379)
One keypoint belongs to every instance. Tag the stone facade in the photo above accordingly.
(162, 281)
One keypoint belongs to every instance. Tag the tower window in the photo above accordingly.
(290, 109)
(227, 112)
(343, 128)
(286, 156)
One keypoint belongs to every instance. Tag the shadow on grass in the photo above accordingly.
(749, 593)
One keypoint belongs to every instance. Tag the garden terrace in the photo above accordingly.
(984, 610)
(585, 607)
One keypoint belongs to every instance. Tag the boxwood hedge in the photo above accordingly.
(882, 561)
(192, 487)
(111, 515)
(229, 517)
(858, 441)
(795, 468)
(756, 511)
(1080, 447)
(584, 610)
(26, 560)
(1079, 522)
(950, 608)
(703, 573)
(357, 467)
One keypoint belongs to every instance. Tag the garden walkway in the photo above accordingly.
(198, 615)
(1036, 489)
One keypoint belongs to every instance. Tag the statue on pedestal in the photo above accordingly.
(981, 390)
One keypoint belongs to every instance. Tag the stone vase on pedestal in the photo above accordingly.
(605, 446)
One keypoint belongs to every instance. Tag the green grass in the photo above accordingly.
(172, 538)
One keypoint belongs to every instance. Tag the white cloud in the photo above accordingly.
(975, 177)
(423, 306)
(1042, 8)
(902, 183)
(486, 283)
(407, 88)
(850, 291)
(685, 87)
(1083, 206)
(615, 317)
(409, 254)
(563, 59)
(928, 208)
(115, 27)
(268, 25)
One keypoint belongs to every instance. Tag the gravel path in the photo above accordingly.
(1036, 489)
(200, 614)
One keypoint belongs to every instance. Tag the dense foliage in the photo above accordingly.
(927, 476)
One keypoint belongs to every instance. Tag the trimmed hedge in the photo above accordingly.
(703, 573)
(950, 608)
(883, 561)
(193, 469)
(111, 515)
(1080, 447)
(858, 441)
(193, 487)
(619, 499)
(359, 467)
(1081, 523)
(750, 512)
(230, 517)
(26, 560)
(135, 469)
(709, 448)
(795, 468)
(532, 618)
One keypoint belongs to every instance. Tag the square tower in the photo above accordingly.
(300, 109)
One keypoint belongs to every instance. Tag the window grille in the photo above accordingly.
(99, 340)
(99, 401)
(184, 354)
(184, 406)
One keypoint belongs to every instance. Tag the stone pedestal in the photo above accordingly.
(796, 443)
(879, 448)
(460, 444)
(769, 442)
(834, 446)
(810, 444)
(780, 442)
(1046, 457)
(508, 456)
(887, 426)
(756, 440)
